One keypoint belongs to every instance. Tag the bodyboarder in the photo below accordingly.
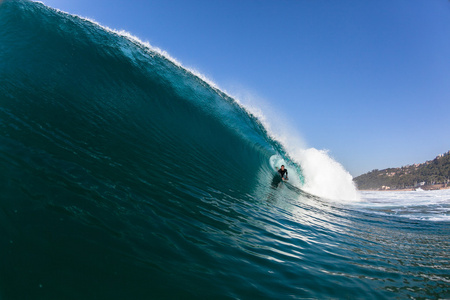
(283, 173)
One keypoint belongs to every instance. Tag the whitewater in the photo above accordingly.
(125, 175)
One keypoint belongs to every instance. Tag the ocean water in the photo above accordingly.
(124, 175)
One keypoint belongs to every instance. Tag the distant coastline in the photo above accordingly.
(431, 175)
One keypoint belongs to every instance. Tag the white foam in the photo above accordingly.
(405, 198)
(415, 205)
(324, 176)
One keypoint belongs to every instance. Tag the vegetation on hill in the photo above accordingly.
(433, 172)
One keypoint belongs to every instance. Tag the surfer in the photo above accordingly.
(283, 173)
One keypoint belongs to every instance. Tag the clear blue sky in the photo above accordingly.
(368, 80)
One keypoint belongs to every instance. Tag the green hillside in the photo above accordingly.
(433, 172)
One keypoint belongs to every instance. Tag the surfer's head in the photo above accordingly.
(282, 167)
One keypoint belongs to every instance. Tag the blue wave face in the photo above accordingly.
(125, 176)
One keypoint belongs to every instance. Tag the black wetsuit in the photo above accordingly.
(282, 172)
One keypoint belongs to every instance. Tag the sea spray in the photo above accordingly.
(324, 176)
(320, 174)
